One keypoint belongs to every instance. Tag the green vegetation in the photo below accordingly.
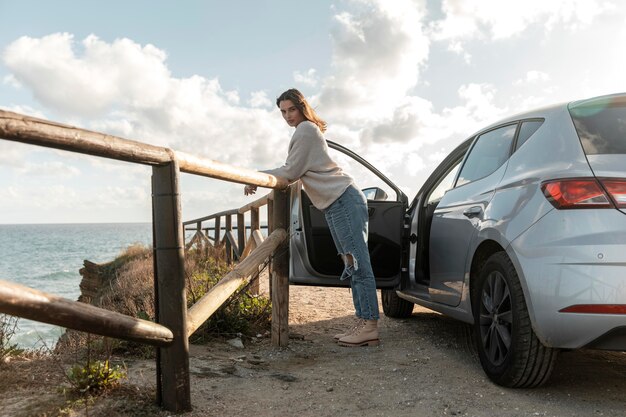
(95, 377)
(244, 313)
(8, 324)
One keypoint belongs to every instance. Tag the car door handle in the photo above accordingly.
(370, 211)
(472, 212)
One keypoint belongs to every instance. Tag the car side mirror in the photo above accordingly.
(375, 194)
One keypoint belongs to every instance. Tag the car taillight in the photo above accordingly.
(617, 190)
(576, 193)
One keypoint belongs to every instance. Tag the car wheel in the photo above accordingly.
(394, 306)
(510, 352)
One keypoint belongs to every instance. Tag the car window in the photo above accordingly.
(526, 131)
(363, 177)
(444, 185)
(489, 152)
(601, 127)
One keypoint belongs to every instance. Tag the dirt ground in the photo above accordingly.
(425, 366)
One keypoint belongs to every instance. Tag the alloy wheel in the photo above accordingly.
(496, 318)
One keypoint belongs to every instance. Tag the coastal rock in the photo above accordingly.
(124, 285)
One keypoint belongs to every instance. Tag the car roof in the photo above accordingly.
(546, 111)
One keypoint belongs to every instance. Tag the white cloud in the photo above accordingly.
(115, 196)
(127, 88)
(479, 103)
(54, 169)
(405, 123)
(12, 81)
(307, 78)
(533, 76)
(501, 19)
(26, 110)
(66, 204)
(378, 48)
(259, 99)
(415, 121)
(11, 153)
(44, 198)
(89, 84)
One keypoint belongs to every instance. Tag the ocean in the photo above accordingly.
(47, 257)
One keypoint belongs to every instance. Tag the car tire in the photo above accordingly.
(394, 306)
(510, 352)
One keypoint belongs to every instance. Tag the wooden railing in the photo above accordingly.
(174, 322)
(236, 247)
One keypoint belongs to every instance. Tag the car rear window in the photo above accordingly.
(601, 126)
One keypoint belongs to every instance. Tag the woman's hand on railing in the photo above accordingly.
(249, 189)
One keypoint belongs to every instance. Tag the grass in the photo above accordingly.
(243, 314)
(8, 325)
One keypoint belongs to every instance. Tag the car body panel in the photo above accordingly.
(562, 257)
(573, 257)
(453, 235)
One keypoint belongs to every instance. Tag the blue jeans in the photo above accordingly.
(347, 218)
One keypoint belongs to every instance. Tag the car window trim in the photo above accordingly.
(519, 129)
(442, 169)
(400, 196)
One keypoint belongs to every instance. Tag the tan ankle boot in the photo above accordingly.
(366, 335)
(350, 330)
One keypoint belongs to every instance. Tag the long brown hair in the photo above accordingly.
(298, 100)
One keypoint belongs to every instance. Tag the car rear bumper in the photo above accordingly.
(569, 258)
(615, 339)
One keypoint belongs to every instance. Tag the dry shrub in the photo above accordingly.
(131, 291)
(127, 287)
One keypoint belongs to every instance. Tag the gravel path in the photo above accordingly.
(425, 366)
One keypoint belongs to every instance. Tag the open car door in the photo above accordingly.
(314, 259)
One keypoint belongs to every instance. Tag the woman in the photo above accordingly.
(334, 193)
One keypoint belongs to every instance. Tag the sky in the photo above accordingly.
(399, 82)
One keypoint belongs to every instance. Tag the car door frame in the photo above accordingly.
(386, 217)
(418, 236)
(463, 208)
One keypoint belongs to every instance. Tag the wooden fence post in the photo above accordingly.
(227, 246)
(270, 228)
(217, 231)
(241, 233)
(280, 271)
(173, 386)
(255, 224)
(270, 213)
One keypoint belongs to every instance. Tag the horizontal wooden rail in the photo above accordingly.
(231, 212)
(22, 301)
(203, 166)
(255, 204)
(248, 227)
(20, 128)
(212, 300)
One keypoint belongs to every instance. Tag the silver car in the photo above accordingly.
(520, 231)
